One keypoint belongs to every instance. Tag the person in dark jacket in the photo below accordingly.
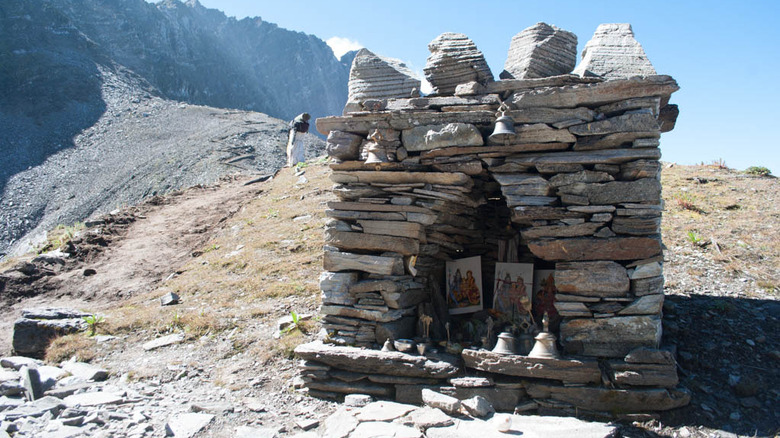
(295, 148)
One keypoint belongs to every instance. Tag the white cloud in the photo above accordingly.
(340, 45)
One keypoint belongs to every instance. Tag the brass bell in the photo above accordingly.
(504, 132)
(376, 154)
(505, 344)
(545, 343)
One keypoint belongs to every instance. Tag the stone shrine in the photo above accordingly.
(570, 191)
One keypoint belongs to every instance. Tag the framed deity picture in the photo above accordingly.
(464, 285)
(544, 296)
(512, 295)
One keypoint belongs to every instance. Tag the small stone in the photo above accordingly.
(357, 400)
(95, 398)
(427, 417)
(307, 423)
(31, 381)
(478, 406)
(187, 425)
(163, 341)
(750, 402)
(450, 405)
(747, 386)
(750, 342)
(471, 382)
(169, 299)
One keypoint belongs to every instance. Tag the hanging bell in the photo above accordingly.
(504, 132)
(505, 344)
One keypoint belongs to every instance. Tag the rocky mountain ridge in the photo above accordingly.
(90, 92)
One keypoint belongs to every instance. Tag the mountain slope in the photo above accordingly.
(88, 112)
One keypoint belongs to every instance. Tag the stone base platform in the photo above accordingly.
(641, 383)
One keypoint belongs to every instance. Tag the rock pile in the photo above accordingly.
(540, 51)
(575, 190)
(376, 77)
(454, 60)
(614, 53)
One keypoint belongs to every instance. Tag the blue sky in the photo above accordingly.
(724, 55)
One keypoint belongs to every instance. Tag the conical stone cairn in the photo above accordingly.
(614, 54)
(540, 51)
(454, 60)
(377, 77)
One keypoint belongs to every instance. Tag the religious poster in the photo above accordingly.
(544, 297)
(513, 290)
(464, 285)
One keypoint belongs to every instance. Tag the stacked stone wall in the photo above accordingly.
(576, 190)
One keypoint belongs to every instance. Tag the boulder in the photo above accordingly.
(37, 327)
(540, 51)
(614, 54)
(454, 60)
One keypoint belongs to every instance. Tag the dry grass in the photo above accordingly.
(260, 265)
(79, 345)
(739, 228)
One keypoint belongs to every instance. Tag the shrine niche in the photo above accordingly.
(509, 228)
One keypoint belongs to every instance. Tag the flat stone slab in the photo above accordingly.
(339, 425)
(612, 400)
(576, 371)
(34, 409)
(92, 399)
(85, 371)
(375, 429)
(427, 417)
(383, 411)
(525, 426)
(164, 341)
(380, 362)
(187, 425)
(17, 362)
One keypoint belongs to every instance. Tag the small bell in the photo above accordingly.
(545, 343)
(376, 153)
(505, 344)
(504, 132)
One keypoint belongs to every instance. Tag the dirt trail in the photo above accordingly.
(160, 240)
